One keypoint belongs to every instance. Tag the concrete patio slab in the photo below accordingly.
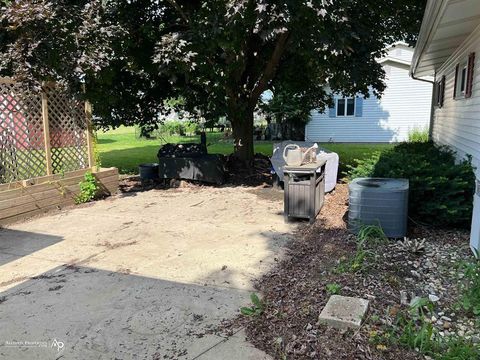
(234, 347)
(148, 275)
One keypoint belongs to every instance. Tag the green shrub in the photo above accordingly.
(257, 308)
(470, 286)
(441, 191)
(369, 237)
(413, 331)
(191, 127)
(88, 189)
(182, 128)
(173, 127)
(333, 289)
(418, 135)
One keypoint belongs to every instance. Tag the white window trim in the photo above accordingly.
(459, 94)
(345, 107)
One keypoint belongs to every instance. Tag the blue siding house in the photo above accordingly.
(405, 105)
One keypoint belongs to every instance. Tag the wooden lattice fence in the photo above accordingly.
(42, 133)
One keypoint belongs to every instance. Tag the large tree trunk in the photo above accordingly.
(242, 126)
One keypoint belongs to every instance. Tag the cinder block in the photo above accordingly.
(343, 312)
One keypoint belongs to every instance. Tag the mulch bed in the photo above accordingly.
(295, 291)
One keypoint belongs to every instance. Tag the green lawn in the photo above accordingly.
(123, 149)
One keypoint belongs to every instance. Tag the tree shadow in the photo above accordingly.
(104, 314)
(106, 141)
(15, 244)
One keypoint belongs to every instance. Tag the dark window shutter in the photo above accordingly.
(455, 83)
(438, 91)
(442, 91)
(470, 72)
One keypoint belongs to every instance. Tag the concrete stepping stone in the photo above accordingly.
(344, 312)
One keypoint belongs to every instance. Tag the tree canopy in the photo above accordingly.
(218, 56)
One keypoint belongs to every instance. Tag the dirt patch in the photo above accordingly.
(295, 292)
(112, 246)
(14, 280)
(267, 193)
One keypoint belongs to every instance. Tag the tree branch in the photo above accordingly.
(270, 69)
(179, 9)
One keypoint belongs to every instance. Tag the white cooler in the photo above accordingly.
(331, 167)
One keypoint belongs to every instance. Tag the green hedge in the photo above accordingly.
(441, 190)
(182, 128)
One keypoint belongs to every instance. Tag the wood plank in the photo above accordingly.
(110, 178)
(50, 193)
(46, 134)
(111, 187)
(30, 201)
(89, 134)
(106, 173)
(29, 198)
(11, 194)
(10, 186)
(43, 179)
(48, 178)
(55, 184)
(7, 80)
(27, 215)
(35, 205)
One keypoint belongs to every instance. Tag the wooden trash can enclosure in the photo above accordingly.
(304, 190)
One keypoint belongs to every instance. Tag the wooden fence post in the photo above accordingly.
(90, 135)
(46, 133)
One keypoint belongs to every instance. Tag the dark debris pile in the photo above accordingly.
(237, 174)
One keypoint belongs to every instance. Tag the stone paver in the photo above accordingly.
(344, 312)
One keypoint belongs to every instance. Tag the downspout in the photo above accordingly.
(432, 104)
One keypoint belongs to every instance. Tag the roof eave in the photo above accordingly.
(429, 23)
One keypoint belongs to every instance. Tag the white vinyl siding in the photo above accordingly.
(401, 52)
(457, 123)
(406, 104)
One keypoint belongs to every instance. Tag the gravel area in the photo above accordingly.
(397, 272)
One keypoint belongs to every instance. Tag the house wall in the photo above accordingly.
(457, 123)
(402, 52)
(405, 104)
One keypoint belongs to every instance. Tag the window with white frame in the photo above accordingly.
(464, 74)
(345, 107)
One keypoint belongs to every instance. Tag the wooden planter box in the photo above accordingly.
(23, 199)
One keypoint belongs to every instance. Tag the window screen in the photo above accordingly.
(341, 107)
(350, 107)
